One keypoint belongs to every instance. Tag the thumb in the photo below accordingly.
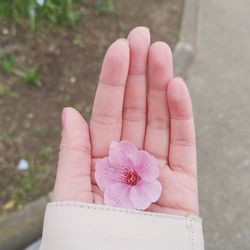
(73, 181)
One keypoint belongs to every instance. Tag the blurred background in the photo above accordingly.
(50, 57)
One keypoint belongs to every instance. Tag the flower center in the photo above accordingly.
(130, 176)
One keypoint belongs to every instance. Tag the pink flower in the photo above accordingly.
(128, 177)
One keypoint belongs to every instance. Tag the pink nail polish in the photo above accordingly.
(63, 117)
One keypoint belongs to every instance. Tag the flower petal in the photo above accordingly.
(106, 174)
(117, 195)
(143, 194)
(153, 189)
(146, 166)
(122, 153)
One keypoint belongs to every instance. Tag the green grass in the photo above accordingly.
(31, 179)
(37, 12)
(10, 140)
(30, 75)
(7, 62)
(30, 182)
(3, 90)
(104, 7)
(6, 91)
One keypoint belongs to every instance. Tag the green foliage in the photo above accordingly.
(7, 63)
(10, 140)
(29, 75)
(77, 41)
(30, 181)
(105, 6)
(14, 94)
(3, 90)
(46, 152)
(35, 12)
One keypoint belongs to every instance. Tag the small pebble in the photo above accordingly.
(30, 115)
(72, 79)
(22, 165)
(52, 48)
(5, 31)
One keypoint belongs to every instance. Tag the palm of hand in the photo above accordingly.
(137, 99)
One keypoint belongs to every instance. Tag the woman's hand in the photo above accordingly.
(138, 100)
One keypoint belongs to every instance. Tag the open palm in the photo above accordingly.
(137, 99)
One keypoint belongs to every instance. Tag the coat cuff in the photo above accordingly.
(75, 225)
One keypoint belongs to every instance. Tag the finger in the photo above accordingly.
(73, 172)
(182, 154)
(160, 71)
(134, 111)
(106, 120)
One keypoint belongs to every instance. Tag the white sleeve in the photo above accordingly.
(82, 226)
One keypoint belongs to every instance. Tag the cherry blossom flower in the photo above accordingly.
(128, 177)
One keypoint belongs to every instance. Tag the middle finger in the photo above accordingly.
(135, 102)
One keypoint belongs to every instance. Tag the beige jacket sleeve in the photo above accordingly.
(81, 226)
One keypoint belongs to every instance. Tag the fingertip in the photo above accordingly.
(143, 31)
(161, 54)
(139, 42)
(121, 46)
(176, 90)
(160, 65)
(118, 52)
(75, 128)
(179, 99)
(122, 40)
(115, 65)
(164, 47)
(72, 116)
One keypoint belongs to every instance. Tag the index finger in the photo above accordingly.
(106, 119)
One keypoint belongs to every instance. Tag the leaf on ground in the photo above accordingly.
(9, 205)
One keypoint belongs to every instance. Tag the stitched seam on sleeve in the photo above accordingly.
(122, 210)
(191, 232)
(188, 225)
(192, 235)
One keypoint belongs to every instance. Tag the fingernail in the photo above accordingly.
(122, 40)
(143, 27)
(63, 117)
